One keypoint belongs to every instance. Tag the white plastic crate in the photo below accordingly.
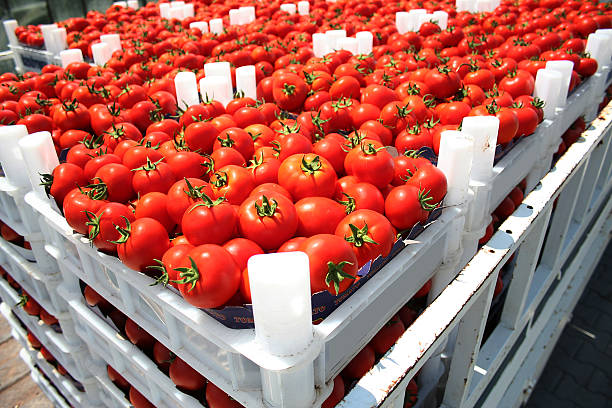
(29, 276)
(49, 390)
(129, 361)
(31, 59)
(228, 357)
(73, 357)
(109, 394)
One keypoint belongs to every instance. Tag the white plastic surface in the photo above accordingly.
(349, 44)
(565, 68)
(289, 8)
(484, 131)
(216, 88)
(71, 55)
(113, 41)
(319, 45)
(303, 8)
(186, 89)
(365, 39)
(10, 154)
(246, 81)
(101, 53)
(455, 160)
(216, 25)
(40, 157)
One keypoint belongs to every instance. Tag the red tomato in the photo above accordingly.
(318, 215)
(102, 225)
(307, 175)
(268, 221)
(232, 182)
(185, 377)
(141, 243)
(404, 207)
(209, 221)
(387, 336)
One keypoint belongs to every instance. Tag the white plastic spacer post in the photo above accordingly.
(61, 36)
(71, 55)
(101, 53)
(164, 9)
(303, 8)
(133, 4)
(200, 25)
(332, 37)
(188, 10)
(247, 14)
(483, 130)
(40, 157)
(246, 81)
(319, 45)
(9, 27)
(113, 41)
(441, 17)
(47, 30)
(216, 25)
(216, 87)
(186, 89)
(349, 44)
(10, 155)
(547, 87)
(365, 40)
(598, 45)
(565, 69)
(455, 160)
(402, 22)
(235, 17)
(175, 13)
(289, 8)
(282, 313)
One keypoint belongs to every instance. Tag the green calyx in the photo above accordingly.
(150, 166)
(369, 150)
(359, 236)
(163, 278)
(220, 179)
(23, 299)
(267, 208)
(227, 141)
(349, 204)
(207, 202)
(189, 276)
(312, 166)
(336, 274)
(94, 223)
(425, 201)
(46, 180)
(123, 232)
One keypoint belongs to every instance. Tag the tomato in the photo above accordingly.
(336, 395)
(154, 205)
(139, 400)
(505, 209)
(183, 194)
(152, 177)
(217, 398)
(138, 156)
(527, 119)
(360, 364)
(404, 207)
(305, 175)
(442, 81)
(141, 242)
(218, 281)
(36, 122)
(63, 180)
(118, 181)
(241, 250)
(333, 264)
(431, 181)
(236, 138)
(78, 202)
(267, 221)
(360, 196)
(518, 83)
(289, 91)
(102, 231)
(71, 116)
(387, 336)
(209, 221)
(138, 336)
(185, 377)
(370, 234)
(188, 164)
(117, 379)
(29, 305)
(318, 215)
(330, 147)
(378, 95)
(232, 182)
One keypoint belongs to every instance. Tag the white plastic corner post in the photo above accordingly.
(222, 69)
(10, 155)
(175, 13)
(483, 130)
(164, 9)
(101, 53)
(40, 157)
(47, 30)
(365, 41)
(186, 89)
(71, 55)
(348, 44)
(9, 27)
(188, 10)
(200, 25)
(113, 41)
(133, 4)
(216, 25)
(332, 37)
(547, 87)
(402, 22)
(247, 14)
(59, 40)
(246, 81)
(598, 45)
(565, 69)
(289, 8)
(235, 17)
(441, 17)
(282, 313)
(215, 87)
(319, 45)
(303, 8)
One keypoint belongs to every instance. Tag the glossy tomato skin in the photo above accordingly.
(360, 364)
(185, 377)
(138, 336)
(183, 193)
(306, 175)
(139, 400)
(269, 221)
(208, 276)
(360, 196)
(431, 181)
(387, 336)
(233, 182)
(336, 395)
(217, 398)
(370, 164)
(241, 249)
(66, 177)
(102, 231)
(76, 205)
(403, 207)
(318, 215)
(146, 240)
(332, 260)
(209, 222)
(369, 233)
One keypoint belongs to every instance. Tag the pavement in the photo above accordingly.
(579, 371)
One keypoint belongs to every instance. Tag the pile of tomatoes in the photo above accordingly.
(327, 159)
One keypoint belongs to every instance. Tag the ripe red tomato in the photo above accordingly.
(141, 243)
(208, 276)
(371, 164)
(209, 221)
(333, 264)
(307, 175)
(404, 207)
(185, 377)
(318, 215)
(217, 398)
(102, 231)
(268, 221)
(139, 400)
(360, 364)
(118, 181)
(289, 91)
(233, 182)
(387, 336)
